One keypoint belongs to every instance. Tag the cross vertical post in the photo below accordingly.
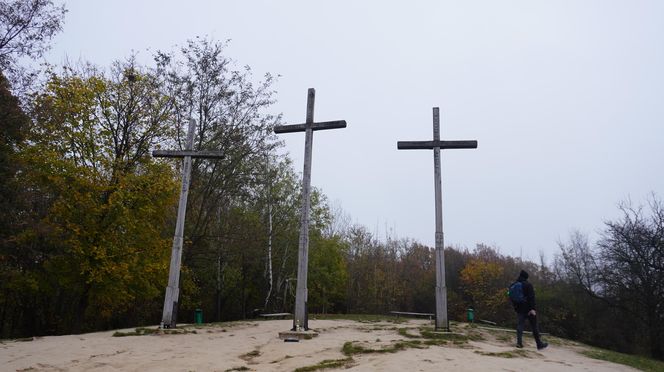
(169, 314)
(436, 145)
(300, 318)
(302, 290)
(441, 288)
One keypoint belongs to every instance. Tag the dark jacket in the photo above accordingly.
(529, 293)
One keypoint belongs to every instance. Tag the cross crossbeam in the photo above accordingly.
(190, 153)
(336, 124)
(430, 145)
(436, 145)
(169, 315)
(300, 319)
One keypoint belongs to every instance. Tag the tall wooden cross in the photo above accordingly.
(437, 145)
(169, 315)
(301, 319)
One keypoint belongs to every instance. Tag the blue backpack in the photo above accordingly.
(516, 293)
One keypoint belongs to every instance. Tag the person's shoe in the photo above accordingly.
(519, 346)
(543, 345)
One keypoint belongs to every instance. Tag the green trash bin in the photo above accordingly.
(198, 316)
(471, 314)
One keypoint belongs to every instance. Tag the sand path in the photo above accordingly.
(255, 345)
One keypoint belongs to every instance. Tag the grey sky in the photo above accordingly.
(564, 97)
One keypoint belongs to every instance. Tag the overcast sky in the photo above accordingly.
(564, 98)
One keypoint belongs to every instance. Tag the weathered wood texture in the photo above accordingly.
(429, 145)
(408, 313)
(336, 124)
(436, 145)
(169, 314)
(190, 153)
(441, 288)
(300, 320)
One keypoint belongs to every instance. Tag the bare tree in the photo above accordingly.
(631, 252)
(26, 30)
(626, 268)
(579, 263)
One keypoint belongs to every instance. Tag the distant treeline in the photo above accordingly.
(88, 218)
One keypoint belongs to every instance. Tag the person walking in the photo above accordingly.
(522, 295)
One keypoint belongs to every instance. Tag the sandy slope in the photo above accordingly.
(255, 345)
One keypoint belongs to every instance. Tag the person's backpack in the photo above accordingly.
(515, 293)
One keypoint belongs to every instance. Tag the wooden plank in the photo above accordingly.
(275, 315)
(322, 125)
(429, 145)
(183, 153)
(397, 313)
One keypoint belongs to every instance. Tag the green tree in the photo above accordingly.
(233, 117)
(99, 242)
(327, 274)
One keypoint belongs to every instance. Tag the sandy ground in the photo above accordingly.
(255, 346)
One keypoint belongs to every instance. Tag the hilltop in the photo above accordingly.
(359, 345)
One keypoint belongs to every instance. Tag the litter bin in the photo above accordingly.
(471, 314)
(198, 316)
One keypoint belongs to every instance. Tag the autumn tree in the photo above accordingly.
(97, 245)
(483, 281)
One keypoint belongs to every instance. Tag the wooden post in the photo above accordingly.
(302, 291)
(169, 313)
(300, 318)
(436, 145)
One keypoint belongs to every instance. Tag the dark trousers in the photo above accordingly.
(521, 322)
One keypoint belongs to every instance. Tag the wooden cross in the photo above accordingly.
(169, 315)
(437, 145)
(301, 319)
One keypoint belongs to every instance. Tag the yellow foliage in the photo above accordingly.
(482, 281)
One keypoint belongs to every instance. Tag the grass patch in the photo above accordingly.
(505, 354)
(505, 338)
(556, 341)
(178, 331)
(475, 336)
(349, 348)
(328, 363)
(415, 344)
(250, 355)
(456, 338)
(404, 332)
(636, 361)
(141, 331)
